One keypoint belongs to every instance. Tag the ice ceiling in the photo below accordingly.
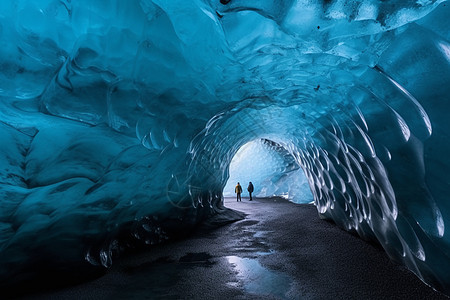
(119, 120)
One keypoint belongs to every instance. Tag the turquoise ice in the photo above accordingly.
(119, 121)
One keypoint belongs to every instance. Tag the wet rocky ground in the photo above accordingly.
(280, 250)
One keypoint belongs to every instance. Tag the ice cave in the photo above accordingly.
(119, 121)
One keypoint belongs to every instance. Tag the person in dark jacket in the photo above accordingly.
(238, 191)
(250, 189)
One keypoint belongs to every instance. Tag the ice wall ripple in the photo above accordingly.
(119, 121)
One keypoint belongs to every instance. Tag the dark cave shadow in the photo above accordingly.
(40, 278)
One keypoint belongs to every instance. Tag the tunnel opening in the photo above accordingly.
(271, 168)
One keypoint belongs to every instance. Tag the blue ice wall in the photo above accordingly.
(119, 120)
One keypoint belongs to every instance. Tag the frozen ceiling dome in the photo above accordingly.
(119, 120)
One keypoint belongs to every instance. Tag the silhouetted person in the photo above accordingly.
(238, 191)
(250, 189)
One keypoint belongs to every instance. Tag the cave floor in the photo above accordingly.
(281, 250)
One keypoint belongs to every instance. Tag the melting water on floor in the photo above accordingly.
(257, 279)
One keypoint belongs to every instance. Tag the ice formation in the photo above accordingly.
(119, 120)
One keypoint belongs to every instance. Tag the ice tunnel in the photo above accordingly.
(272, 170)
(119, 120)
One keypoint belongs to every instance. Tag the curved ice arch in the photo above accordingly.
(119, 121)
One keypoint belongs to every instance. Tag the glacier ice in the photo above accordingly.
(119, 121)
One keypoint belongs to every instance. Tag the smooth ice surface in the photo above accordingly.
(272, 170)
(119, 120)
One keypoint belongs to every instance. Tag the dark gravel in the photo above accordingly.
(279, 251)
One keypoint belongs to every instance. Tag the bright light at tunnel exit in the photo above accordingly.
(271, 169)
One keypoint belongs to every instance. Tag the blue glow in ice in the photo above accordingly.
(119, 121)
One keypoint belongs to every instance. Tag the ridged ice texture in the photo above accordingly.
(119, 120)
(272, 170)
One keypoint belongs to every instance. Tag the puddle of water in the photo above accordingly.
(257, 279)
(260, 234)
(262, 253)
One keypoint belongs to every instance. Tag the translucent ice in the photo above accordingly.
(119, 121)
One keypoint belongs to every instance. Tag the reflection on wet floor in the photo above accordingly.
(259, 280)
(261, 233)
